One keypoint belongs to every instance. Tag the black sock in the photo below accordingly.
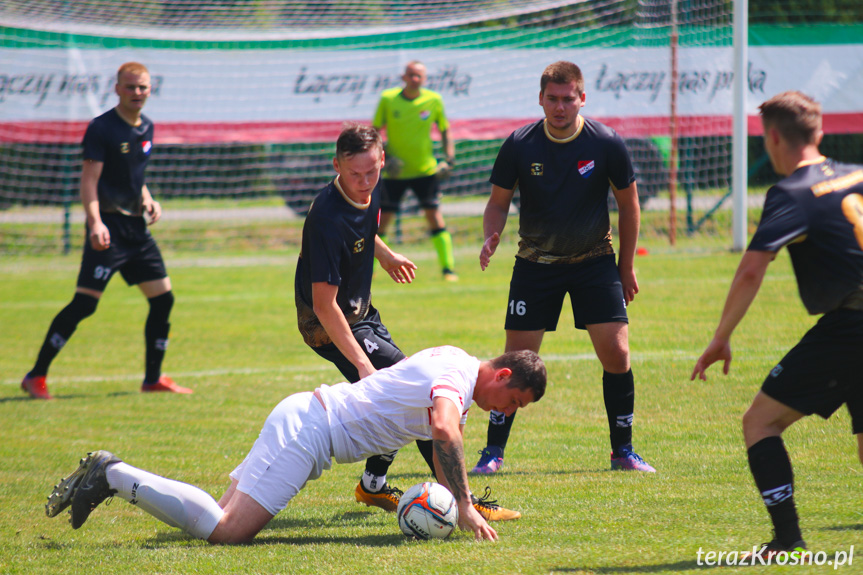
(618, 391)
(774, 477)
(61, 330)
(427, 451)
(156, 335)
(379, 464)
(499, 426)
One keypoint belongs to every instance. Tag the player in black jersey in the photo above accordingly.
(332, 289)
(817, 212)
(117, 147)
(333, 282)
(563, 166)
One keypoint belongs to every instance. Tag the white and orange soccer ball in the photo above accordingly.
(427, 511)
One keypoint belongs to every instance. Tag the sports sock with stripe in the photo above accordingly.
(499, 426)
(375, 475)
(373, 483)
(618, 392)
(156, 335)
(774, 477)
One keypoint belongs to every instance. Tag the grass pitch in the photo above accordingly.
(234, 340)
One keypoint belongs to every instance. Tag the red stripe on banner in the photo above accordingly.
(475, 129)
(249, 132)
(42, 132)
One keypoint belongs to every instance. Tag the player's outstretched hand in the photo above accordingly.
(716, 350)
(488, 249)
(154, 211)
(100, 237)
(469, 519)
(401, 269)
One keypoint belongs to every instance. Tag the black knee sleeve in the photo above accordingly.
(82, 306)
(156, 335)
(160, 307)
(157, 320)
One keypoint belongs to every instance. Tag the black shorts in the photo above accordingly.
(536, 294)
(133, 253)
(824, 370)
(426, 189)
(374, 338)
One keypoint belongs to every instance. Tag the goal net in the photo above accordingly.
(248, 96)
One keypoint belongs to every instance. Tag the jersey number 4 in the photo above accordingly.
(371, 346)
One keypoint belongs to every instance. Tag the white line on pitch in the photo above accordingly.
(187, 374)
(552, 357)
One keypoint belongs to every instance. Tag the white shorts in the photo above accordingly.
(294, 447)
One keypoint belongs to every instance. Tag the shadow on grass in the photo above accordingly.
(64, 396)
(406, 478)
(362, 541)
(49, 545)
(19, 398)
(857, 527)
(678, 566)
(55, 396)
(289, 522)
(292, 531)
(170, 539)
(418, 477)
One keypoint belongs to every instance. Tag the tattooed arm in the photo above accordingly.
(449, 463)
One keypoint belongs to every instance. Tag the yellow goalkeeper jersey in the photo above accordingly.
(408, 125)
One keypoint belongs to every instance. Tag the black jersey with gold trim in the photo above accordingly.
(338, 247)
(818, 213)
(563, 186)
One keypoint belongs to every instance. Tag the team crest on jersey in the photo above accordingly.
(124, 148)
(584, 168)
(146, 146)
(425, 115)
(359, 245)
(536, 169)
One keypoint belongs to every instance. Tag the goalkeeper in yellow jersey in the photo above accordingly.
(408, 113)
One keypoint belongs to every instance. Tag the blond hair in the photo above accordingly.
(133, 68)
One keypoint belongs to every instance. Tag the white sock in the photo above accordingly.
(176, 503)
(373, 483)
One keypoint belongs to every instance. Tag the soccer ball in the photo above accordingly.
(427, 511)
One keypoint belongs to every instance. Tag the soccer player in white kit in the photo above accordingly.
(426, 396)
